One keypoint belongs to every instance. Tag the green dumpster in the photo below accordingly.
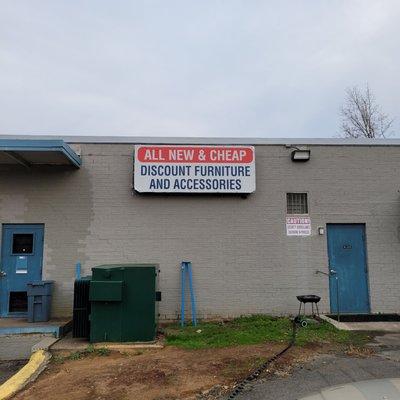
(123, 303)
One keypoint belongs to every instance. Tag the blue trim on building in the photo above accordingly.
(58, 330)
(16, 145)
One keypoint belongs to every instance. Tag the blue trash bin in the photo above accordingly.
(39, 300)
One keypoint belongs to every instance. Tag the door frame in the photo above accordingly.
(4, 225)
(364, 226)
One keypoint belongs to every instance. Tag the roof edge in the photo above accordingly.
(207, 140)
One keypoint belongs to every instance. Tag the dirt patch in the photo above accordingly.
(355, 351)
(165, 374)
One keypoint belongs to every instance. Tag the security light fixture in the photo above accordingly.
(299, 155)
(321, 230)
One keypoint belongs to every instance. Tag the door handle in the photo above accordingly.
(2, 274)
(332, 272)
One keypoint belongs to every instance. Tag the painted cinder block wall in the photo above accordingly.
(243, 261)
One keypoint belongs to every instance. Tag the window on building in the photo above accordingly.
(22, 243)
(297, 203)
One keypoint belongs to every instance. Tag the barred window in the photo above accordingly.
(297, 203)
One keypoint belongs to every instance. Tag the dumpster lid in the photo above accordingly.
(129, 265)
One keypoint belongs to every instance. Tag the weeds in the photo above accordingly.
(80, 354)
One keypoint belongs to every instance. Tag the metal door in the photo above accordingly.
(21, 262)
(348, 282)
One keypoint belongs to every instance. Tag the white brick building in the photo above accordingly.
(243, 260)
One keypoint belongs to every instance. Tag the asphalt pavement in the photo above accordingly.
(9, 368)
(329, 370)
(324, 371)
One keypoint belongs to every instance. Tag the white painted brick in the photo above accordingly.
(243, 262)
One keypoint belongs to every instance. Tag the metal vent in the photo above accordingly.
(297, 203)
(81, 312)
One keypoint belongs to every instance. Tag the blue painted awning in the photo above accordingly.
(38, 152)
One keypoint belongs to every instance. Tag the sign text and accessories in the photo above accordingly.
(298, 226)
(194, 169)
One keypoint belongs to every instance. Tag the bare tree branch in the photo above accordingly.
(362, 117)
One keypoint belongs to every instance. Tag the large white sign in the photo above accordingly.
(298, 226)
(194, 169)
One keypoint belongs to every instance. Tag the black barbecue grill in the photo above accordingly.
(308, 298)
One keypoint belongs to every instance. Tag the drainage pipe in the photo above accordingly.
(255, 374)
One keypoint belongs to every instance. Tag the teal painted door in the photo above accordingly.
(348, 281)
(21, 262)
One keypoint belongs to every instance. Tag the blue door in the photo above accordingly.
(348, 281)
(21, 262)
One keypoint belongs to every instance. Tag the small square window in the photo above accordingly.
(22, 243)
(297, 203)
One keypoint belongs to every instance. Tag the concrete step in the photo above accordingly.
(44, 344)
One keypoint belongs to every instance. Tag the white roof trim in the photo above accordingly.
(210, 140)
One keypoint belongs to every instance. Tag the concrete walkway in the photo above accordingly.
(374, 326)
(18, 347)
(17, 326)
(328, 370)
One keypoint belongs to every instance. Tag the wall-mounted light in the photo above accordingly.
(321, 230)
(299, 155)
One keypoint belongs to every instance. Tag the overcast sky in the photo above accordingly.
(193, 68)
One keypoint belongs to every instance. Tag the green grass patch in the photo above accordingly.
(256, 329)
